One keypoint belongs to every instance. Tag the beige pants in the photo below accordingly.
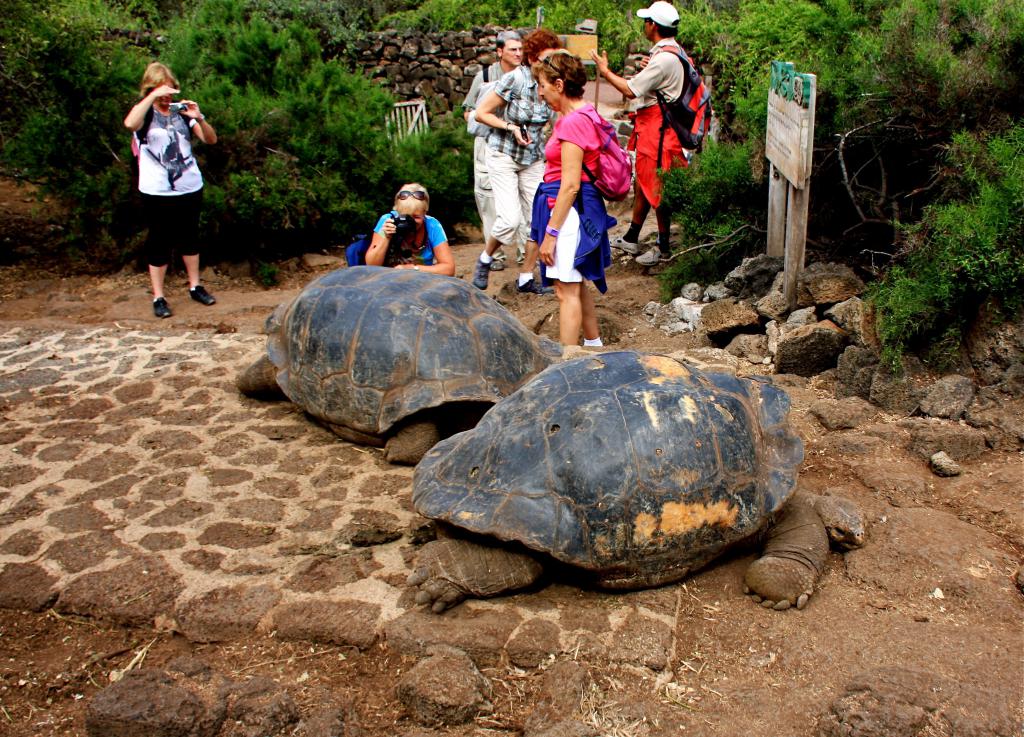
(512, 188)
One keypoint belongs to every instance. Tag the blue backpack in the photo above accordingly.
(355, 253)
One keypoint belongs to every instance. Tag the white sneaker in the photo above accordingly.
(628, 246)
(650, 257)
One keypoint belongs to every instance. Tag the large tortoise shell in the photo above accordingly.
(366, 347)
(624, 464)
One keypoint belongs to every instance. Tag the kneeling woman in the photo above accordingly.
(408, 238)
(569, 217)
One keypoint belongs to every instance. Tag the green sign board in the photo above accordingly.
(789, 142)
(791, 85)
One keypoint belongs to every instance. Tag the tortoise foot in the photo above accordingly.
(411, 443)
(451, 570)
(779, 583)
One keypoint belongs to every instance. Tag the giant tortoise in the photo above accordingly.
(632, 469)
(394, 358)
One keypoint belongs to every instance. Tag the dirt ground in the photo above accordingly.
(918, 633)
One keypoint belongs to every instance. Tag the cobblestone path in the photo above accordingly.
(138, 486)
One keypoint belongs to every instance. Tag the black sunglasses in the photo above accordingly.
(418, 194)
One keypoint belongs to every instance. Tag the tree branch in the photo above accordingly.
(842, 163)
(711, 244)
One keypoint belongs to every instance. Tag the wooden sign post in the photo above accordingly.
(581, 44)
(789, 146)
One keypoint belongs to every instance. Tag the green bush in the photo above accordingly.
(443, 163)
(711, 199)
(962, 252)
(302, 162)
(63, 100)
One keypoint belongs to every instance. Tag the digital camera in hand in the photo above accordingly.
(177, 107)
(398, 253)
(404, 225)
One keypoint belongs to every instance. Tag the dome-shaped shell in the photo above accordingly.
(631, 466)
(366, 347)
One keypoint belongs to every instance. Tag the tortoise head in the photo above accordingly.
(843, 520)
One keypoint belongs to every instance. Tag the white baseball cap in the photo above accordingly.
(661, 12)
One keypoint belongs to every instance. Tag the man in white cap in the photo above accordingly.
(509, 49)
(657, 147)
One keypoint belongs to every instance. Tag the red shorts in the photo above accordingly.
(645, 141)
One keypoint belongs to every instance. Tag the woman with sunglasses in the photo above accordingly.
(420, 245)
(569, 217)
(169, 179)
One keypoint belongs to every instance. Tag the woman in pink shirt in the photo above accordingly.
(569, 217)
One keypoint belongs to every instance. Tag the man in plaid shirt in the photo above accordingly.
(515, 157)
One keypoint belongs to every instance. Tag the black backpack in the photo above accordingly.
(689, 115)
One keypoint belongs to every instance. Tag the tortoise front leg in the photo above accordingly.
(792, 561)
(450, 570)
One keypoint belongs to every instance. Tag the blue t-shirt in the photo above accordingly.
(420, 254)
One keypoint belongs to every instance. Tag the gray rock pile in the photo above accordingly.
(831, 329)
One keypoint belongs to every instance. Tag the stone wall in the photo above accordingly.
(438, 67)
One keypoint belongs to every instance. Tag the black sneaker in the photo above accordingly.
(481, 274)
(533, 287)
(161, 308)
(199, 294)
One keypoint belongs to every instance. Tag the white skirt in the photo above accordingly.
(565, 250)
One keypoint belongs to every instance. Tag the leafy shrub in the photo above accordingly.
(335, 22)
(962, 252)
(267, 274)
(711, 199)
(63, 108)
(302, 160)
(443, 163)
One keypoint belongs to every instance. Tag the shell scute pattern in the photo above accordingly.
(620, 464)
(367, 347)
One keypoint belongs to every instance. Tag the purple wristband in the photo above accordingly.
(551, 231)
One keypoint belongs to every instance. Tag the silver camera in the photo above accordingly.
(177, 107)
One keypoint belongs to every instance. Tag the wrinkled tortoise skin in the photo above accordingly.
(633, 467)
(367, 347)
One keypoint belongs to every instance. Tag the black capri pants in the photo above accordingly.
(173, 220)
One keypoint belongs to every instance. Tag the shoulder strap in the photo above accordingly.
(143, 132)
(487, 71)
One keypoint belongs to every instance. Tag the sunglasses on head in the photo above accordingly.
(547, 59)
(418, 194)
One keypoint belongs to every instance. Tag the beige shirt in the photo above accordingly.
(663, 73)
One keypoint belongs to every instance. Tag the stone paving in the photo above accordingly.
(138, 486)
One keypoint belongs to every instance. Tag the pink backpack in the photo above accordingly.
(615, 169)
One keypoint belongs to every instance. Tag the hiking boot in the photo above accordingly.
(497, 265)
(199, 294)
(651, 257)
(481, 274)
(533, 287)
(628, 246)
(161, 308)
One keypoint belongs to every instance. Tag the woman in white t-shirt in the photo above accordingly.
(169, 179)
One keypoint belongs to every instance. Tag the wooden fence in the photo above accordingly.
(406, 119)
